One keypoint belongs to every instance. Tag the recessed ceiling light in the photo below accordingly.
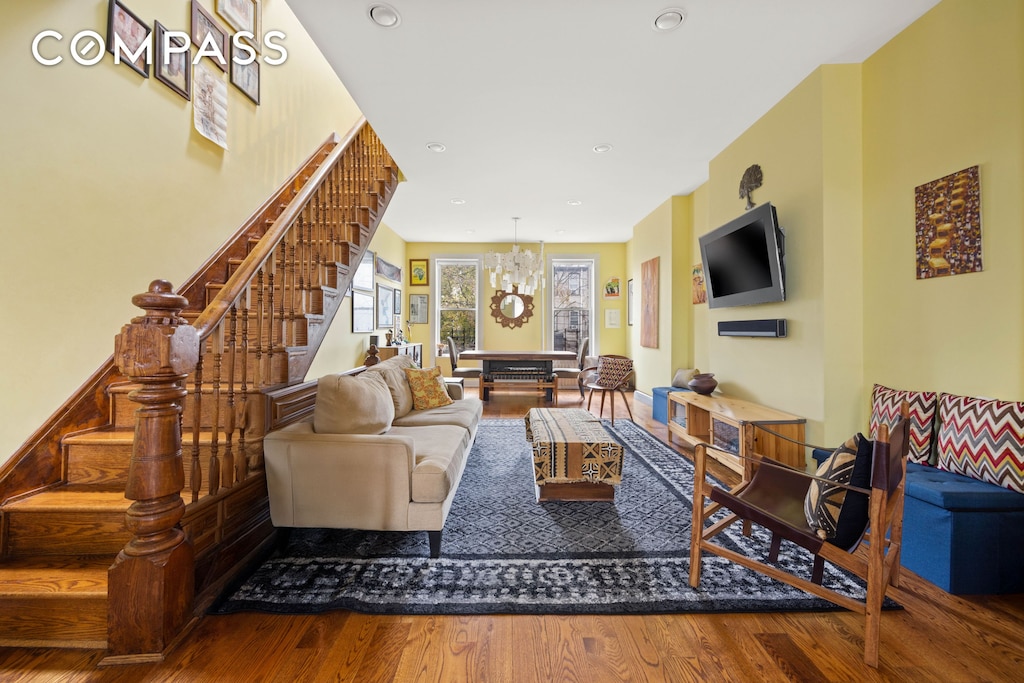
(559, 232)
(384, 15)
(602, 148)
(436, 147)
(458, 201)
(669, 19)
(471, 232)
(574, 202)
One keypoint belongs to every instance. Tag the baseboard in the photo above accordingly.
(641, 397)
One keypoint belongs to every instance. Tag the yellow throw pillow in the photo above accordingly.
(428, 390)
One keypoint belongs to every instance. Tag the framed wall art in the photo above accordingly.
(206, 28)
(629, 301)
(388, 270)
(246, 77)
(240, 15)
(124, 24)
(385, 306)
(363, 278)
(362, 312)
(398, 302)
(419, 272)
(649, 303)
(173, 70)
(418, 309)
(948, 225)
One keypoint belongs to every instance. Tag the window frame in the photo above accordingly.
(441, 345)
(592, 261)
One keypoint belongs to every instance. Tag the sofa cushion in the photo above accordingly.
(836, 514)
(428, 390)
(983, 439)
(885, 410)
(465, 413)
(393, 372)
(952, 491)
(440, 452)
(347, 404)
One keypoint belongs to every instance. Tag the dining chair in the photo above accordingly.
(611, 374)
(576, 372)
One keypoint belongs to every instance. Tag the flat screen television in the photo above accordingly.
(744, 260)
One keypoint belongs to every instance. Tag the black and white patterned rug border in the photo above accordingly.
(584, 568)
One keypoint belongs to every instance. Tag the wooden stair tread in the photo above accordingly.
(127, 435)
(71, 499)
(57, 576)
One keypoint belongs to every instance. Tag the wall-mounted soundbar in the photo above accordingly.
(774, 327)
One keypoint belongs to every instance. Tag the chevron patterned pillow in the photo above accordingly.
(885, 410)
(982, 439)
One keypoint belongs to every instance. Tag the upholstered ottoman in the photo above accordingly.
(659, 402)
(574, 457)
(964, 535)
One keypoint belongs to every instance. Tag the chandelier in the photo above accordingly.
(523, 270)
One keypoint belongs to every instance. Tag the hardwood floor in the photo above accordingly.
(937, 637)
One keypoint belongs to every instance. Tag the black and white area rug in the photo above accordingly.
(504, 553)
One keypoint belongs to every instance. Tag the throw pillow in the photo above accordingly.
(836, 514)
(347, 404)
(428, 390)
(885, 410)
(392, 370)
(982, 439)
(683, 377)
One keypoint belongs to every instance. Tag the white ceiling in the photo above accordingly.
(521, 91)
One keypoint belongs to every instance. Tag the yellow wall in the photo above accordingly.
(944, 95)
(109, 187)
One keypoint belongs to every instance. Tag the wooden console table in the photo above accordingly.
(518, 369)
(726, 423)
(411, 349)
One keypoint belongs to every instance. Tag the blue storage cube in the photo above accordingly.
(659, 406)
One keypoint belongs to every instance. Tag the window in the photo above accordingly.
(572, 303)
(458, 285)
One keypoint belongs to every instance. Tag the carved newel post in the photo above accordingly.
(152, 582)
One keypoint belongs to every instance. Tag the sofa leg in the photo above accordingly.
(281, 543)
(435, 543)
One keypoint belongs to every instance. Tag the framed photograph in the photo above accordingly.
(246, 77)
(391, 272)
(629, 301)
(363, 279)
(385, 306)
(398, 302)
(418, 309)
(173, 70)
(419, 272)
(362, 312)
(133, 32)
(204, 25)
(239, 14)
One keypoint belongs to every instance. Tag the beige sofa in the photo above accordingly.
(368, 459)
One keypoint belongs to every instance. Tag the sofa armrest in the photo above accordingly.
(357, 481)
(456, 390)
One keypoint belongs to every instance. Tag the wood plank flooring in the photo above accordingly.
(937, 637)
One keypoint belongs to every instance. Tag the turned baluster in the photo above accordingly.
(243, 411)
(151, 583)
(196, 470)
(229, 418)
(217, 342)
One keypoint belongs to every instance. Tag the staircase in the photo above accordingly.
(83, 496)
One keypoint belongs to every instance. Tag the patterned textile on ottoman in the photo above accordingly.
(982, 439)
(570, 445)
(885, 410)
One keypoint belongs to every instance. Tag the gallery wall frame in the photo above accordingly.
(363, 277)
(418, 311)
(385, 306)
(203, 24)
(629, 302)
(419, 272)
(175, 70)
(246, 77)
(132, 31)
(363, 314)
(389, 270)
